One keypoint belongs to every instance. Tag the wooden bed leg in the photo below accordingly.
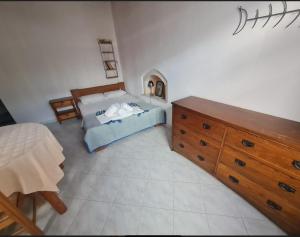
(160, 124)
(100, 148)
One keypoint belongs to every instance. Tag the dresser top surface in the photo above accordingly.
(282, 130)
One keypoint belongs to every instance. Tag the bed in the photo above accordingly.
(98, 136)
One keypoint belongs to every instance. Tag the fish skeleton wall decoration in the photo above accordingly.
(245, 19)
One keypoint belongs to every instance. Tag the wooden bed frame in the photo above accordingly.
(76, 93)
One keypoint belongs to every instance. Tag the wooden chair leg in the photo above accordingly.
(14, 213)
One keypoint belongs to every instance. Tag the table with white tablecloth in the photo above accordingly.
(30, 159)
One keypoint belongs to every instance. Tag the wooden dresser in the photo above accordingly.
(255, 154)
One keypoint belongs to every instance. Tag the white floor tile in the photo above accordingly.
(148, 188)
(188, 223)
(106, 188)
(79, 184)
(216, 201)
(155, 221)
(90, 218)
(123, 220)
(159, 194)
(138, 168)
(160, 170)
(184, 173)
(60, 224)
(261, 227)
(225, 225)
(131, 191)
(117, 167)
(188, 197)
(248, 211)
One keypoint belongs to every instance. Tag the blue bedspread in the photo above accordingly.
(98, 135)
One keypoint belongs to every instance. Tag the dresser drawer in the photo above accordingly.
(271, 179)
(205, 161)
(198, 123)
(200, 142)
(271, 205)
(275, 154)
(64, 103)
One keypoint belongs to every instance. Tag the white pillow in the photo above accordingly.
(116, 93)
(93, 98)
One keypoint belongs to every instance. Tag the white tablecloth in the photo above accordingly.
(29, 159)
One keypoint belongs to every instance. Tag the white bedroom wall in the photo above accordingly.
(48, 48)
(192, 44)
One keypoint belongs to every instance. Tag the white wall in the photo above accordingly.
(48, 48)
(192, 44)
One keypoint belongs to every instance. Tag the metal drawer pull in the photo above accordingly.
(200, 158)
(182, 131)
(247, 143)
(274, 205)
(233, 179)
(183, 116)
(286, 187)
(206, 126)
(181, 145)
(296, 164)
(240, 162)
(203, 143)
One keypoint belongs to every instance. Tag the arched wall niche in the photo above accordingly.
(157, 78)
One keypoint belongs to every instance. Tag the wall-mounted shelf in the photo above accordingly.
(108, 58)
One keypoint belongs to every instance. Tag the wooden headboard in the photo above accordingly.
(76, 93)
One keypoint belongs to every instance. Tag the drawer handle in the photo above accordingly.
(200, 158)
(206, 126)
(203, 143)
(286, 187)
(233, 179)
(183, 116)
(182, 131)
(181, 145)
(247, 143)
(296, 164)
(274, 205)
(240, 163)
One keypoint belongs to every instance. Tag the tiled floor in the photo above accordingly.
(139, 186)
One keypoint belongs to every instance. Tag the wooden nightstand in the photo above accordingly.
(64, 108)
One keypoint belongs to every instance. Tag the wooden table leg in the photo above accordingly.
(55, 201)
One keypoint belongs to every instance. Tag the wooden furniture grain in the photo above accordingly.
(76, 93)
(11, 214)
(255, 154)
(63, 114)
(54, 201)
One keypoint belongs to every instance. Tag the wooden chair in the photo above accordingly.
(12, 219)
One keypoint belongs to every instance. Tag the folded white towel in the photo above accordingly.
(137, 110)
(118, 111)
(126, 106)
(123, 112)
(112, 110)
